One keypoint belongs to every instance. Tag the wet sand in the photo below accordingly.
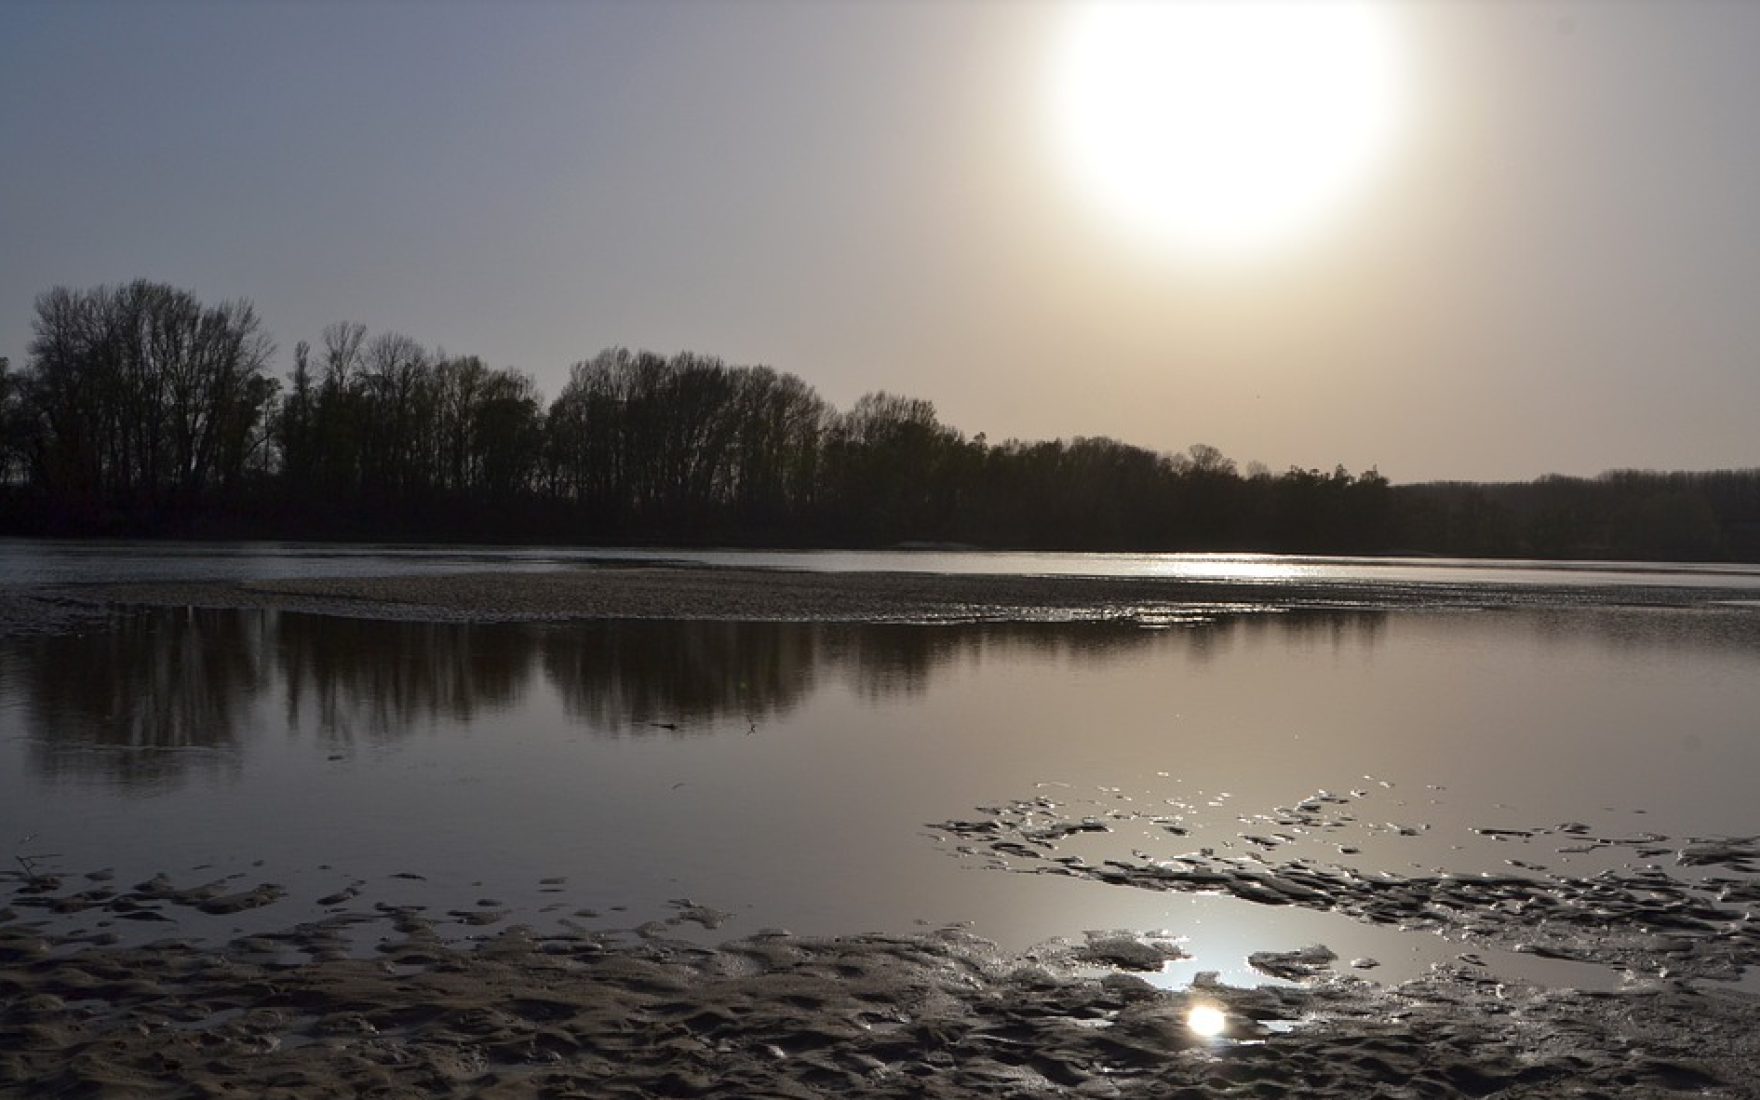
(371, 1001)
(298, 1014)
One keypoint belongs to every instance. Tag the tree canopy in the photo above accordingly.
(142, 411)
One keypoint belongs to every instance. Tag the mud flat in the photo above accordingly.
(297, 1014)
(708, 593)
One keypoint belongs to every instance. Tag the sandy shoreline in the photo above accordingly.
(307, 1011)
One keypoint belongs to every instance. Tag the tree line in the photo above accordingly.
(142, 411)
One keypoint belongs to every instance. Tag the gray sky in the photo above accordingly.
(1553, 267)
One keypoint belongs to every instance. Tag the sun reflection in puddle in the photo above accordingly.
(1206, 1021)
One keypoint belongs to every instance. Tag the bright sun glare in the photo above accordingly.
(1222, 127)
(1206, 1021)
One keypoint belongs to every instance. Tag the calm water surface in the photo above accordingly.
(791, 774)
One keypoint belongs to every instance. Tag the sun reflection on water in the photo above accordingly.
(1206, 1021)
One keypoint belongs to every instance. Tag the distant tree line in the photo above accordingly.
(1622, 514)
(142, 411)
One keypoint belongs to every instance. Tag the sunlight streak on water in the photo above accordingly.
(46, 562)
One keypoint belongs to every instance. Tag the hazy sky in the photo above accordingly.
(1554, 265)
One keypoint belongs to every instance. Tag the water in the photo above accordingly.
(46, 562)
(795, 775)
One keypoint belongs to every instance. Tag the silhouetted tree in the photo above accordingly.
(1213, 508)
(142, 409)
(400, 449)
(889, 467)
(776, 450)
(585, 443)
(11, 427)
(296, 424)
(505, 455)
(139, 402)
(1089, 493)
(686, 445)
(1671, 525)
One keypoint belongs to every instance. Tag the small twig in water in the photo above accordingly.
(28, 861)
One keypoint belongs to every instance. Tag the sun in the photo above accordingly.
(1223, 128)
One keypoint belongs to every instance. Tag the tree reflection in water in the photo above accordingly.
(152, 697)
(375, 681)
(162, 694)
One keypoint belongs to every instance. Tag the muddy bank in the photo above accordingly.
(727, 594)
(942, 1014)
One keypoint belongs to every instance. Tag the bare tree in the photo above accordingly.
(11, 427)
(139, 400)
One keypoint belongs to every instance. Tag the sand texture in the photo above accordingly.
(940, 1014)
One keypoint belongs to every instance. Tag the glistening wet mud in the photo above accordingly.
(1665, 908)
(296, 1014)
